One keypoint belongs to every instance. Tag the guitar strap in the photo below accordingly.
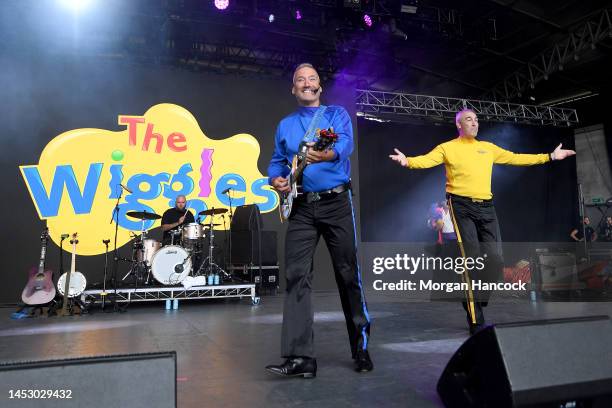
(309, 135)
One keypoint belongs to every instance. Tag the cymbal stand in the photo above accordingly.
(212, 266)
(103, 294)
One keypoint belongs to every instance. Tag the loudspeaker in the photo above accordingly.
(550, 363)
(557, 270)
(247, 218)
(246, 247)
(136, 380)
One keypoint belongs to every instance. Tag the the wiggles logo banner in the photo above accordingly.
(157, 156)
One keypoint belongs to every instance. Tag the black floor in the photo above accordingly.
(223, 346)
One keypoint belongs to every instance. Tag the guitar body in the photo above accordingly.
(76, 285)
(286, 202)
(39, 289)
(324, 141)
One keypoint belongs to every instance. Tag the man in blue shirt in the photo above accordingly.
(325, 208)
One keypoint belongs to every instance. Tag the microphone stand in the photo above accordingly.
(103, 294)
(116, 257)
(581, 212)
(61, 254)
(231, 214)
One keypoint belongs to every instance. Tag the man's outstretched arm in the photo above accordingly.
(503, 156)
(431, 159)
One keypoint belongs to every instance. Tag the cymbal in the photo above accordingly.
(208, 225)
(213, 211)
(143, 215)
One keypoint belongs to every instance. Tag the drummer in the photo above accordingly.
(175, 217)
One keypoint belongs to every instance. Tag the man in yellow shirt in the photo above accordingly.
(469, 165)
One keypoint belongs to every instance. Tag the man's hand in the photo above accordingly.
(399, 157)
(281, 185)
(182, 219)
(313, 156)
(560, 154)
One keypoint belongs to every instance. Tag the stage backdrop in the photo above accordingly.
(75, 128)
(533, 204)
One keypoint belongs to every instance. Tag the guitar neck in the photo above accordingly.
(73, 263)
(41, 264)
(298, 171)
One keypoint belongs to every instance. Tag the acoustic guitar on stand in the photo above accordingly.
(72, 283)
(40, 289)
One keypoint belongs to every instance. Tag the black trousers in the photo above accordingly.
(333, 218)
(478, 235)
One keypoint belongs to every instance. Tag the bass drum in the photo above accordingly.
(170, 265)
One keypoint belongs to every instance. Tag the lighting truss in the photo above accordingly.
(581, 40)
(397, 107)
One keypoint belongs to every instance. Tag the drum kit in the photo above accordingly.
(172, 264)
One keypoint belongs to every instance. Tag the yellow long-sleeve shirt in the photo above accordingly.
(469, 164)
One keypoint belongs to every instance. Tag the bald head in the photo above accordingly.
(180, 202)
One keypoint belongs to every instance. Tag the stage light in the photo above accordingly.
(298, 15)
(271, 18)
(367, 20)
(221, 4)
(76, 5)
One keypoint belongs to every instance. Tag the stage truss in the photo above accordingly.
(396, 107)
(174, 292)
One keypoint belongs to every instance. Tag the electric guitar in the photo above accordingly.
(325, 140)
(39, 289)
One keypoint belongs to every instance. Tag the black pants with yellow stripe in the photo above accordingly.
(478, 235)
(332, 218)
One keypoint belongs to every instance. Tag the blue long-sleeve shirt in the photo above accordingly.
(290, 133)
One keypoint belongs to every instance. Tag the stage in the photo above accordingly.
(223, 345)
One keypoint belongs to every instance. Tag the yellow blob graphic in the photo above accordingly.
(153, 149)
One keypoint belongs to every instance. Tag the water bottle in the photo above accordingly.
(211, 280)
(168, 304)
(216, 279)
(175, 304)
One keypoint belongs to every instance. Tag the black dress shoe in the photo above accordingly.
(295, 367)
(363, 363)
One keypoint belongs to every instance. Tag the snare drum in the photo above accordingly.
(170, 265)
(149, 248)
(193, 231)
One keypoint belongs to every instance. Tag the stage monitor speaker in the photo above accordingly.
(550, 363)
(557, 270)
(136, 380)
(247, 218)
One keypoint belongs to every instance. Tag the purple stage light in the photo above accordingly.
(221, 4)
(271, 18)
(367, 20)
(298, 15)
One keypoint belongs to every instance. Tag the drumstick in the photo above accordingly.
(186, 210)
